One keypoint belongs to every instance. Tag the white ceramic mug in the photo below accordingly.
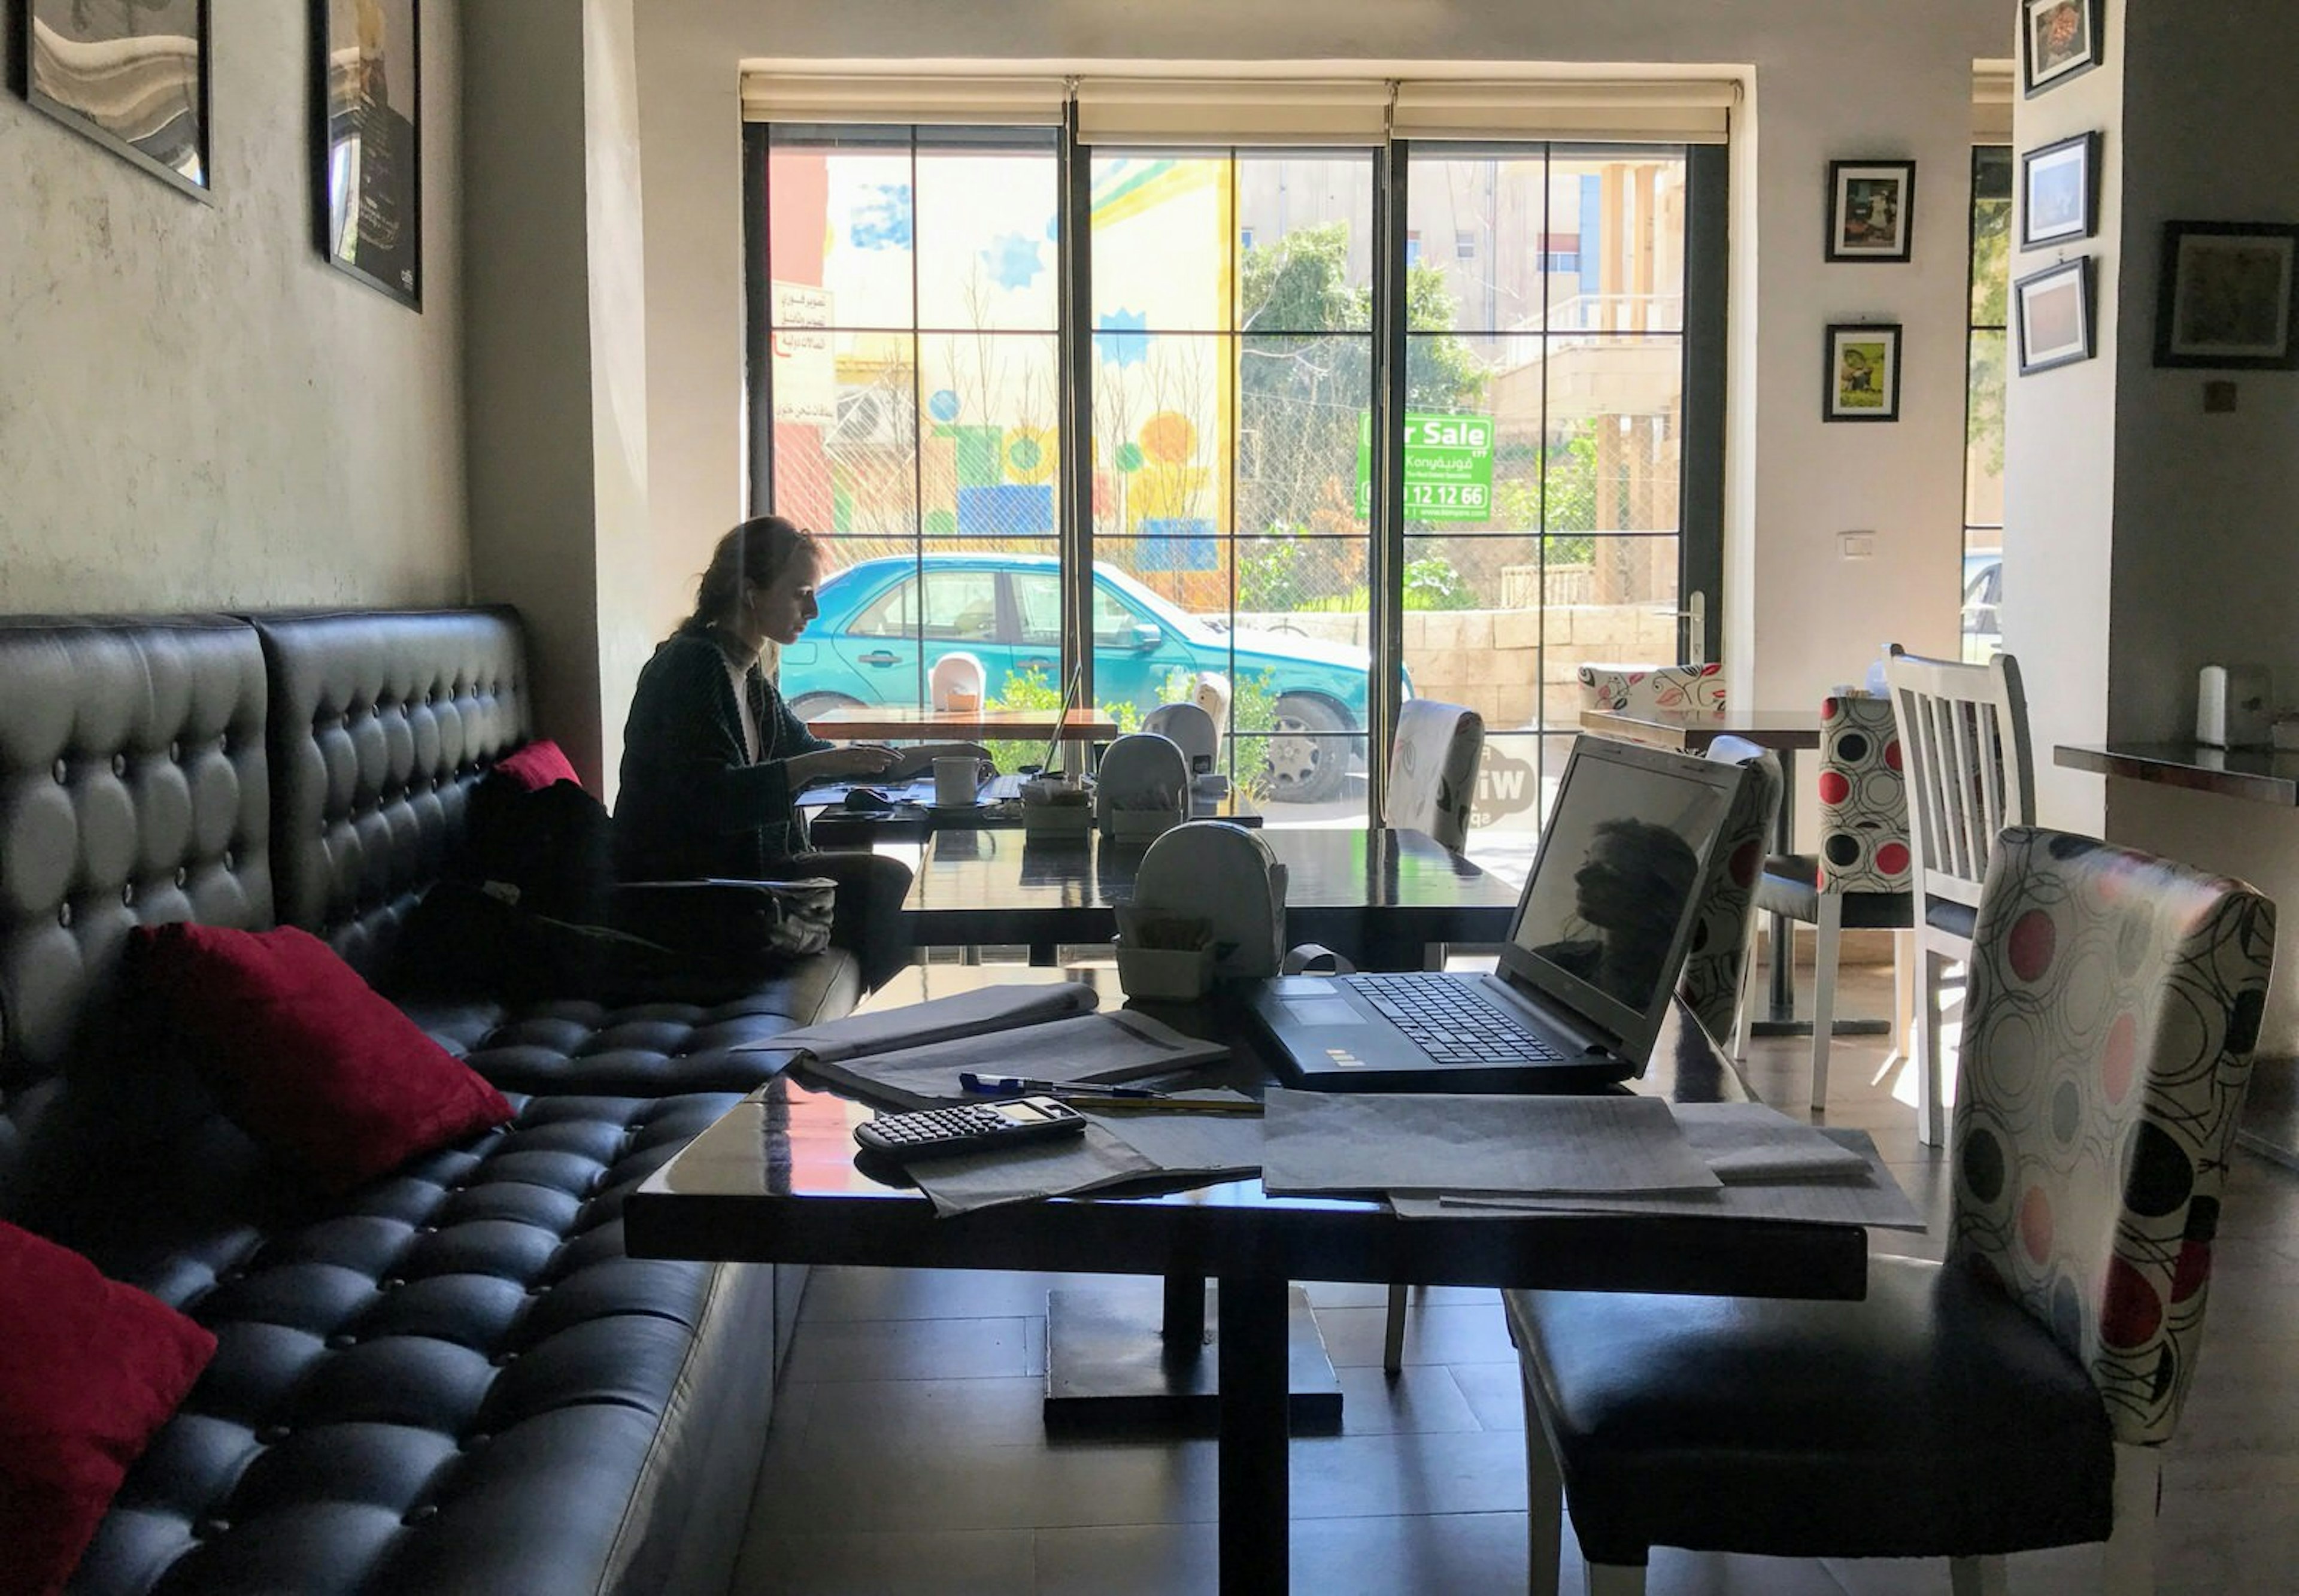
(957, 778)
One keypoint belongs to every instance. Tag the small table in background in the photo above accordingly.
(1784, 732)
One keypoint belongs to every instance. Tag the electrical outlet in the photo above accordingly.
(1856, 546)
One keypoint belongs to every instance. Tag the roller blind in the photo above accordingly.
(1681, 110)
(1155, 111)
(1991, 103)
(1008, 102)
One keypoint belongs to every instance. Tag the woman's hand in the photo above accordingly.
(863, 761)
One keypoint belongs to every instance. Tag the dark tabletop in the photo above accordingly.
(1349, 888)
(2262, 774)
(775, 1180)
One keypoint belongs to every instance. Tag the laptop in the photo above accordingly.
(1584, 982)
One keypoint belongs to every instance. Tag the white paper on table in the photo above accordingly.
(1450, 1142)
(1114, 1149)
(1875, 1201)
(1748, 1141)
(986, 1009)
(1118, 1046)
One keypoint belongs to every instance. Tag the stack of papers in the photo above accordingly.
(1101, 1048)
(982, 1011)
(1456, 1141)
(1115, 1149)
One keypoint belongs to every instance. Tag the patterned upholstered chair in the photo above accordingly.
(1714, 982)
(1433, 771)
(1860, 879)
(2018, 1396)
(1639, 688)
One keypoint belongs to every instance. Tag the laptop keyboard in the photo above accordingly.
(1445, 1017)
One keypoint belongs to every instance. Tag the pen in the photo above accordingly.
(992, 1084)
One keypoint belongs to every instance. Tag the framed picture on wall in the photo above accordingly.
(1864, 372)
(2058, 40)
(2228, 296)
(130, 74)
(2053, 313)
(368, 92)
(1871, 210)
(2058, 192)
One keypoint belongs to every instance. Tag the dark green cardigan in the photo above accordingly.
(691, 802)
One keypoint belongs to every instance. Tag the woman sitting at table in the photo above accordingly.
(713, 759)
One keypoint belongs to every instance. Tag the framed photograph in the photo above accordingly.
(130, 74)
(1871, 208)
(1864, 372)
(2058, 192)
(2058, 40)
(2228, 296)
(2052, 313)
(368, 98)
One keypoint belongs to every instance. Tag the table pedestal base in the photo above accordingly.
(1111, 1364)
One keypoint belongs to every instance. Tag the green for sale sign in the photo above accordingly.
(1448, 467)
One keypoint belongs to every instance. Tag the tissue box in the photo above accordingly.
(1139, 825)
(1057, 820)
(1169, 973)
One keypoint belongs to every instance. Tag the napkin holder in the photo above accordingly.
(1226, 874)
(1142, 788)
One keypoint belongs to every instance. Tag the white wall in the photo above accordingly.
(2205, 537)
(556, 364)
(194, 410)
(1831, 80)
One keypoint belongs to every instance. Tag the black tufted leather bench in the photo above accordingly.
(456, 1379)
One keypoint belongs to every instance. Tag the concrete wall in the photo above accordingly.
(1867, 78)
(557, 354)
(2153, 538)
(195, 410)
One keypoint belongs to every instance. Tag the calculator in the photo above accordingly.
(970, 1127)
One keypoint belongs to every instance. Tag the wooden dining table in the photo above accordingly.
(911, 723)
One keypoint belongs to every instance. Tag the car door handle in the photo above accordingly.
(880, 657)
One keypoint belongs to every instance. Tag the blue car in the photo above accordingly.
(885, 622)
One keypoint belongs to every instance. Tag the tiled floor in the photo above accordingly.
(907, 1454)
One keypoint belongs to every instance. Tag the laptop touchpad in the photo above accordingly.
(1324, 1011)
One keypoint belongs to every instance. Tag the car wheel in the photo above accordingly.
(1303, 766)
(806, 706)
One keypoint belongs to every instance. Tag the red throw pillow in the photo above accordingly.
(93, 1369)
(537, 765)
(305, 1056)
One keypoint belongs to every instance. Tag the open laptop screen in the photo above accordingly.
(1608, 910)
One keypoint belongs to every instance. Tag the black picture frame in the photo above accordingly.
(2229, 297)
(1857, 192)
(166, 134)
(2059, 39)
(2058, 192)
(2056, 316)
(1851, 388)
(367, 105)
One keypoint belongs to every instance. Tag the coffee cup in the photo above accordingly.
(957, 778)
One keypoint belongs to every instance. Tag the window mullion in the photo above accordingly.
(1073, 341)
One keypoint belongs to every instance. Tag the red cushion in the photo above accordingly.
(537, 765)
(93, 1369)
(305, 1056)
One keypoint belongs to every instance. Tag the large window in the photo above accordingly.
(942, 318)
(1983, 467)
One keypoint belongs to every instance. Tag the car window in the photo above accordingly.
(893, 613)
(1038, 603)
(959, 606)
(1038, 597)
